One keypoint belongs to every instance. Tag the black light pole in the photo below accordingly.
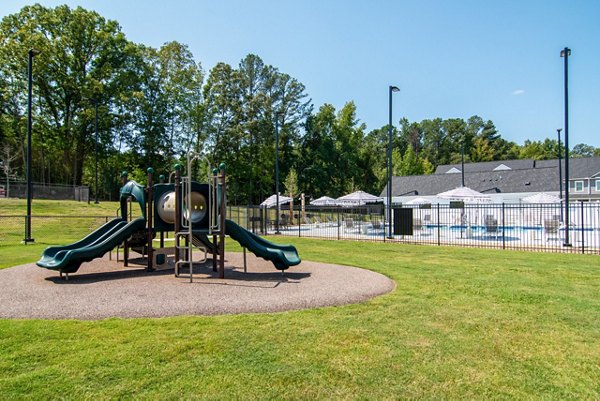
(560, 184)
(389, 183)
(565, 53)
(462, 162)
(277, 172)
(31, 53)
(96, 146)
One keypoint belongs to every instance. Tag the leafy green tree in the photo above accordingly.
(582, 150)
(482, 151)
(170, 85)
(221, 113)
(240, 110)
(397, 164)
(374, 152)
(291, 183)
(428, 167)
(454, 140)
(82, 57)
(410, 164)
(433, 140)
(318, 148)
(538, 150)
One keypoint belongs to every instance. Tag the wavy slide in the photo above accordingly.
(68, 258)
(282, 256)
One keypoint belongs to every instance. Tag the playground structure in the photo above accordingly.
(196, 214)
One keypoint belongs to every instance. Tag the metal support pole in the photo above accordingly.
(582, 227)
(277, 172)
(177, 224)
(389, 183)
(438, 225)
(503, 227)
(245, 265)
(565, 53)
(31, 53)
(222, 219)
(560, 180)
(96, 149)
(125, 179)
(150, 228)
(462, 163)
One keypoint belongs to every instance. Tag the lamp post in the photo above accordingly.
(277, 172)
(462, 162)
(565, 53)
(560, 183)
(95, 101)
(389, 183)
(31, 54)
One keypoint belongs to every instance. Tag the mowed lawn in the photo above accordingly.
(461, 323)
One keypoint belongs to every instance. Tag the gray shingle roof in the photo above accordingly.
(487, 166)
(581, 167)
(540, 176)
(511, 181)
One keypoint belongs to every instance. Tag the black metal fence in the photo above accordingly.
(18, 189)
(535, 227)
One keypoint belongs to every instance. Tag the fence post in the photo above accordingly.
(503, 228)
(299, 222)
(338, 223)
(582, 229)
(438, 225)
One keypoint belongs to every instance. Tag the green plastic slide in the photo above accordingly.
(202, 238)
(68, 258)
(282, 256)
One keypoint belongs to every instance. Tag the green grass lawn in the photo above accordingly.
(461, 323)
(44, 207)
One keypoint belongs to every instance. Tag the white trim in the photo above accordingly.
(453, 170)
(502, 167)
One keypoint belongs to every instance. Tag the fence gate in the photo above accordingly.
(403, 221)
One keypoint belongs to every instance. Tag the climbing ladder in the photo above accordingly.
(184, 239)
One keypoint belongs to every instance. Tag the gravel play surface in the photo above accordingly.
(104, 288)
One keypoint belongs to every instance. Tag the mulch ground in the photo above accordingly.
(105, 288)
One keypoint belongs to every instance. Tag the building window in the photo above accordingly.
(578, 186)
(598, 185)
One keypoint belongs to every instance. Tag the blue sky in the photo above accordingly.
(496, 59)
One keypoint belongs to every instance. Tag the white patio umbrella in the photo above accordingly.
(541, 197)
(324, 201)
(271, 201)
(357, 198)
(418, 201)
(538, 214)
(466, 195)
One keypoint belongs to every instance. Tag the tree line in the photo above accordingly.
(154, 105)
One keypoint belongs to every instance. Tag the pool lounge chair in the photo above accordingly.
(349, 225)
(551, 229)
(377, 225)
(329, 220)
(417, 226)
(491, 226)
(284, 221)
